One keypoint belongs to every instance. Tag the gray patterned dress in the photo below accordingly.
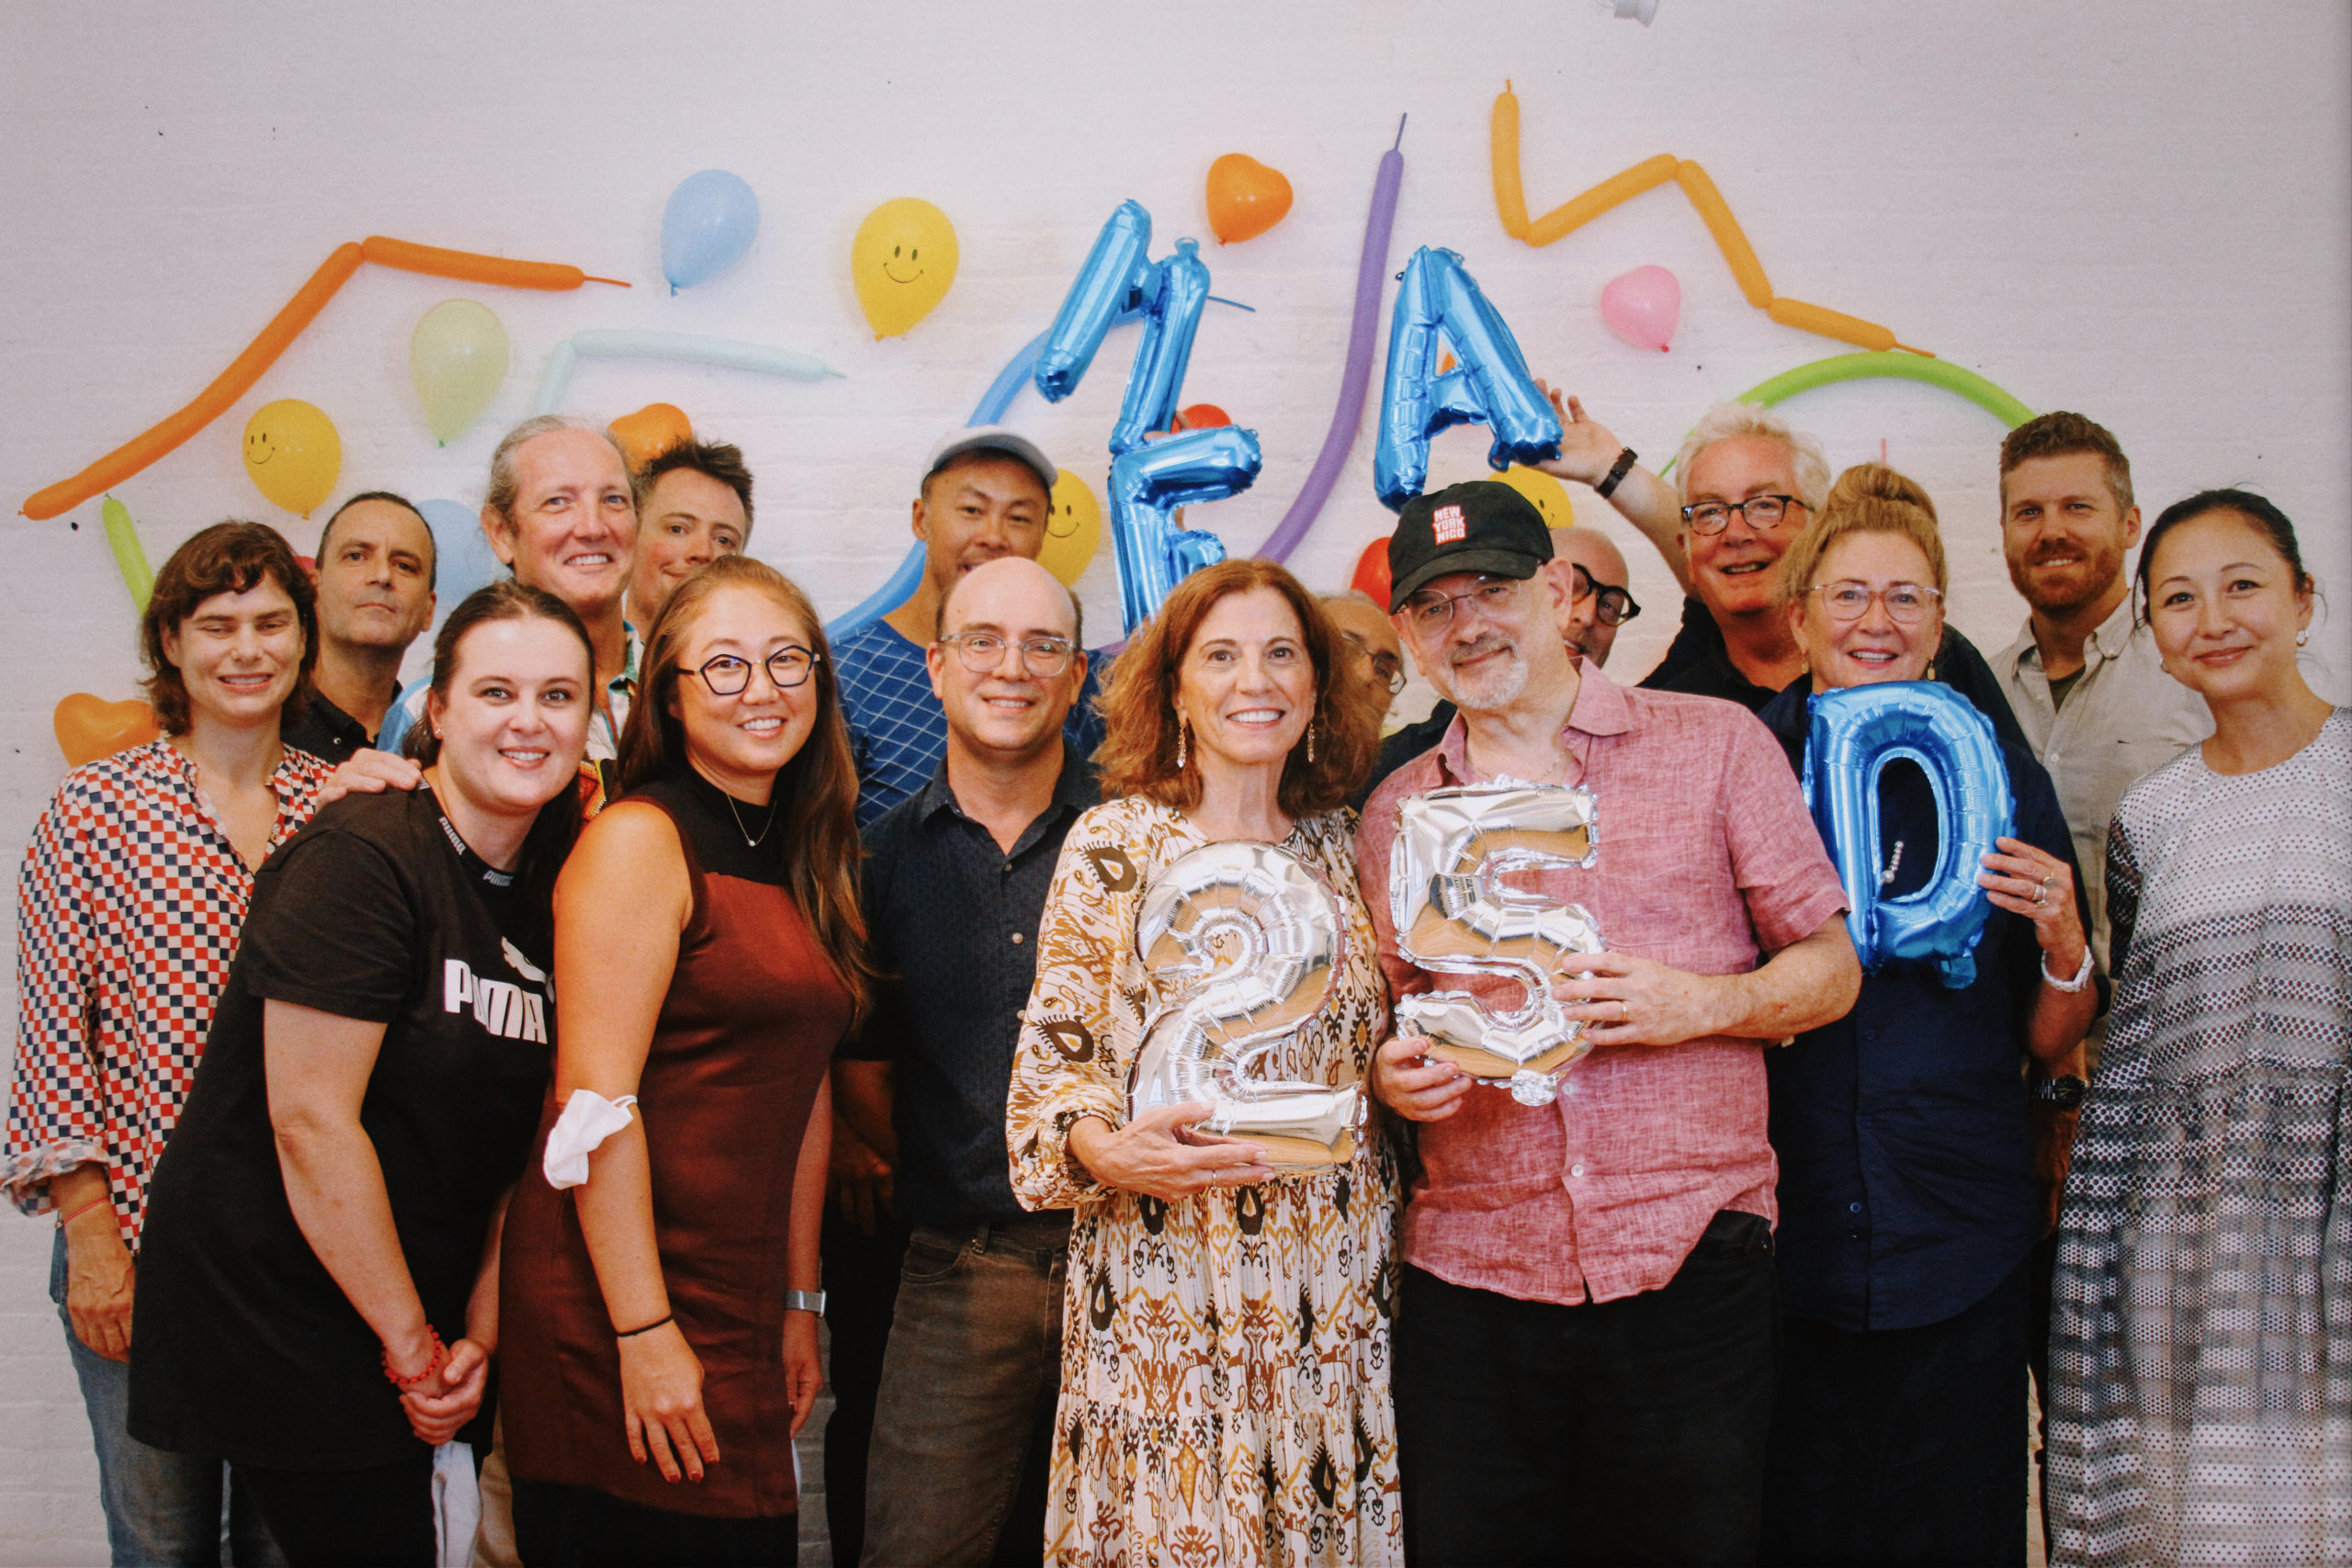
(2201, 1330)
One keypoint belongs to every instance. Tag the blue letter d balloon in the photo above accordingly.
(1855, 734)
(1437, 307)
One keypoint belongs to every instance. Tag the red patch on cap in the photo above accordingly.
(1447, 525)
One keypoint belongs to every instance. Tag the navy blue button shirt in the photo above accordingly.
(953, 922)
(1903, 1131)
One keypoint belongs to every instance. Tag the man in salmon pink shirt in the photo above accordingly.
(1589, 1321)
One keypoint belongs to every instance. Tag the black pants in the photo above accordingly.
(861, 1294)
(381, 1518)
(2042, 1266)
(578, 1527)
(1623, 1431)
(1902, 1445)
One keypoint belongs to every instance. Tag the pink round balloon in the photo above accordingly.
(1643, 307)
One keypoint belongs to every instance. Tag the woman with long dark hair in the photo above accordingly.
(660, 1264)
(318, 1301)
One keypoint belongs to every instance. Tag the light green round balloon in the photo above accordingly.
(458, 359)
(1918, 368)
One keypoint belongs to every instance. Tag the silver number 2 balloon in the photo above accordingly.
(1455, 915)
(1240, 943)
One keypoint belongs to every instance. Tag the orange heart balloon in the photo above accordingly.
(1246, 198)
(651, 431)
(90, 727)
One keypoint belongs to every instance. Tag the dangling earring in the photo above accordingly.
(1180, 742)
(1310, 740)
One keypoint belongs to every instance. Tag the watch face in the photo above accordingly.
(2065, 1093)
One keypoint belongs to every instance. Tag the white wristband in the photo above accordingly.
(587, 1121)
(2082, 977)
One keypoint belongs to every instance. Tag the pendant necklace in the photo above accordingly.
(749, 841)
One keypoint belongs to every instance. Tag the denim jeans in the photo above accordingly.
(160, 1507)
(1623, 1431)
(963, 1430)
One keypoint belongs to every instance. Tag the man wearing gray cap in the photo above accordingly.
(1588, 1320)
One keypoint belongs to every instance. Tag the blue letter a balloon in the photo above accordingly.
(1440, 306)
(1855, 734)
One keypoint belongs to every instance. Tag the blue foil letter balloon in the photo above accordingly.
(1439, 306)
(1855, 734)
(1148, 478)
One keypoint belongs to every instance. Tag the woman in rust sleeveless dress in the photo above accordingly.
(661, 1270)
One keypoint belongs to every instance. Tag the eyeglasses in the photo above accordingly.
(1759, 512)
(1617, 606)
(729, 676)
(983, 652)
(1385, 664)
(1494, 596)
(1906, 601)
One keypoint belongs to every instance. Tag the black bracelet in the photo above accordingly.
(633, 1333)
(1617, 472)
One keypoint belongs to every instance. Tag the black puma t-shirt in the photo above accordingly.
(377, 910)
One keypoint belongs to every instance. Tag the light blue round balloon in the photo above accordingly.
(461, 556)
(707, 227)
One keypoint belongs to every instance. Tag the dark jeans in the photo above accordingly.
(578, 1527)
(1901, 1445)
(381, 1518)
(861, 1291)
(963, 1432)
(1623, 1431)
(2042, 1266)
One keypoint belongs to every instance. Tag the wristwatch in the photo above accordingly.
(814, 1300)
(2062, 1093)
(1616, 475)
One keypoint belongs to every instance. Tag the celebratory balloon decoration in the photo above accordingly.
(129, 555)
(1073, 528)
(462, 557)
(1855, 733)
(1439, 306)
(565, 357)
(902, 261)
(292, 454)
(1544, 492)
(707, 225)
(1456, 915)
(89, 728)
(1239, 943)
(457, 357)
(1643, 307)
(1371, 577)
(651, 431)
(1148, 478)
(1246, 198)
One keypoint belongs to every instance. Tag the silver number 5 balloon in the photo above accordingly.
(1455, 915)
(1240, 943)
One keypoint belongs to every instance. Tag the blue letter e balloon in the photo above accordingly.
(1855, 734)
(1439, 306)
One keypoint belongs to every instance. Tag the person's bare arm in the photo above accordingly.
(467, 1375)
(864, 1168)
(99, 1275)
(803, 1269)
(1587, 451)
(1635, 1001)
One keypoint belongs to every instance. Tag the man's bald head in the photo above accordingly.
(1591, 550)
(1008, 585)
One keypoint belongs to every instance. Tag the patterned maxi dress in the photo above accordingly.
(2201, 1337)
(1225, 1360)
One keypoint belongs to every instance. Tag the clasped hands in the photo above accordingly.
(451, 1397)
(1158, 1154)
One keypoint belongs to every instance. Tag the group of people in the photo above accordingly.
(533, 1056)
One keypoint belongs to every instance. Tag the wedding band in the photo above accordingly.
(1626, 1010)
(2047, 882)
(2040, 895)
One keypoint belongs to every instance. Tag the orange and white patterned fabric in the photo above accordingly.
(1225, 1360)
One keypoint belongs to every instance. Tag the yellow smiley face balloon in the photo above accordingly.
(1550, 496)
(902, 261)
(293, 454)
(1073, 529)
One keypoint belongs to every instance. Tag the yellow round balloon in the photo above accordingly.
(1073, 529)
(293, 454)
(902, 261)
(1550, 496)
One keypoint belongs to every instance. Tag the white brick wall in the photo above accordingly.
(2140, 211)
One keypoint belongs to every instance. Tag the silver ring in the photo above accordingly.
(2040, 895)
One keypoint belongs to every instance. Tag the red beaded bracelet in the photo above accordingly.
(440, 1354)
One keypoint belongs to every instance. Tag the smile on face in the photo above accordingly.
(239, 655)
(1480, 655)
(689, 521)
(1006, 711)
(515, 719)
(1731, 572)
(375, 577)
(740, 742)
(980, 508)
(2225, 608)
(574, 528)
(2062, 532)
(1877, 647)
(1246, 685)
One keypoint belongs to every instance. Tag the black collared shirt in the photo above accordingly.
(953, 922)
(327, 732)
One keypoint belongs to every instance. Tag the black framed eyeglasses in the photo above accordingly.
(1616, 606)
(727, 675)
(983, 652)
(1385, 664)
(1759, 512)
(1906, 603)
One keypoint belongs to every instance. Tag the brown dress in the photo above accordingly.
(743, 1040)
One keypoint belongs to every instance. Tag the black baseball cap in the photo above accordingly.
(1478, 526)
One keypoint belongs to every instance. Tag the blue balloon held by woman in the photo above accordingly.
(1439, 306)
(1856, 732)
(707, 227)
